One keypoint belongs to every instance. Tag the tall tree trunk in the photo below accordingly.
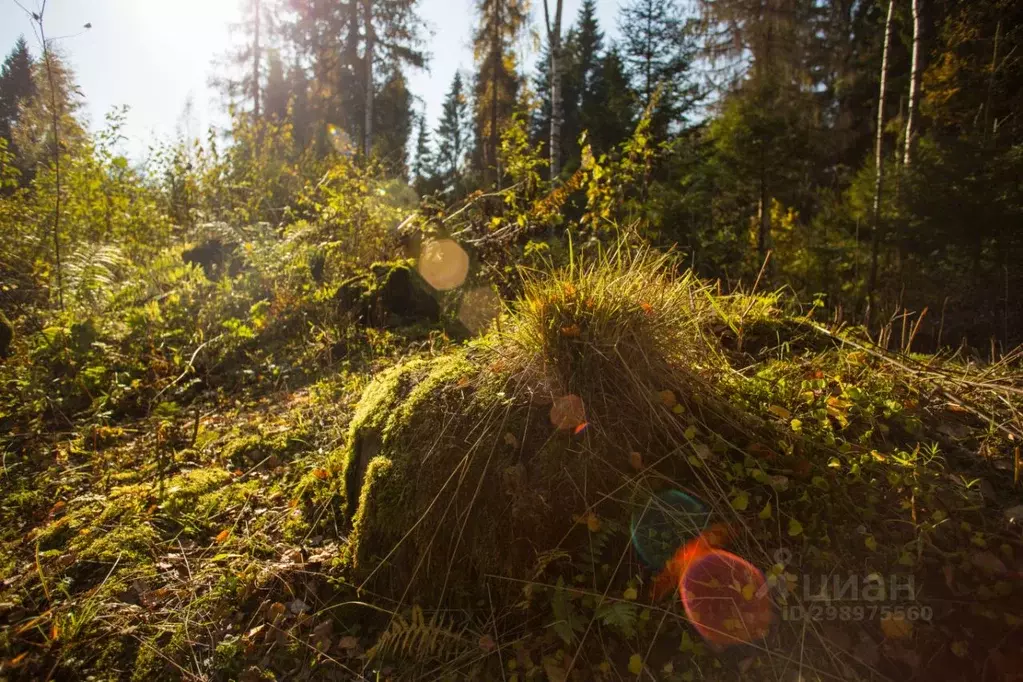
(55, 122)
(763, 210)
(255, 61)
(554, 40)
(914, 85)
(988, 126)
(370, 37)
(498, 56)
(875, 238)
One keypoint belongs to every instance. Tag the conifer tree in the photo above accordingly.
(497, 81)
(453, 134)
(422, 164)
(659, 48)
(16, 86)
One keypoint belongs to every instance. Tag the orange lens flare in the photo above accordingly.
(723, 594)
(724, 598)
(568, 412)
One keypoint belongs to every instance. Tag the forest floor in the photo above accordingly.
(213, 543)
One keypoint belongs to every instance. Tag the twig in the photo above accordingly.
(929, 377)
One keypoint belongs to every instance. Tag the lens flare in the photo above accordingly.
(339, 140)
(723, 597)
(443, 264)
(568, 412)
(479, 307)
(669, 519)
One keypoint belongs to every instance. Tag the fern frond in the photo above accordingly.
(421, 640)
(91, 273)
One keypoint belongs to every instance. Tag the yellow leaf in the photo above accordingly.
(740, 501)
(592, 522)
(779, 411)
(960, 648)
(223, 535)
(797, 425)
(635, 664)
(678, 409)
(896, 627)
(795, 528)
(320, 473)
(636, 461)
(631, 594)
(871, 543)
(766, 512)
(690, 432)
(748, 591)
(687, 643)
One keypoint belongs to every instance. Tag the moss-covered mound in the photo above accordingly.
(485, 461)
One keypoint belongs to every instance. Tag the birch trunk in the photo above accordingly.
(557, 114)
(370, 38)
(875, 239)
(914, 86)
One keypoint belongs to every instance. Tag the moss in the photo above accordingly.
(249, 450)
(439, 495)
(156, 658)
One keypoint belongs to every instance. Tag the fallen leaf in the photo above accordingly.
(795, 528)
(988, 562)
(347, 643)
(635, 664)
(579, 429)
(223, 535)
(571, 330)
(510, 439)
(960, 648)
(779, 411)
(871, 543)
(321, 474)
(761, 451)
(740, 501)
(668, 398)
(487, 643)
(631, 594)
(896, 626)
(766, 512)
(636, 461)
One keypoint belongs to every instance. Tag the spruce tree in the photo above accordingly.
(16, 86)
(453, 134)
(589, 41)
(659, 48)
(616, 116)
(497, 81)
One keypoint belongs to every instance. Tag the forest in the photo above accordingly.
(687, 351)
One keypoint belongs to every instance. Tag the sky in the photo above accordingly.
(155, 55)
